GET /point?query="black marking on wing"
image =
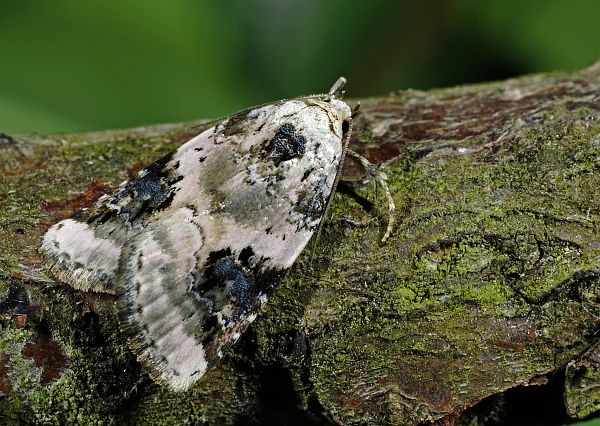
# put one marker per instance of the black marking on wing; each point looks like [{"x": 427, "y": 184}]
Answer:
[
  {"x": 243, "y": 293},
  {"x": 227, "y": 282},
  {"x": 152, "y": 190},
  {"x": 311, "y": 205},
  {"x": 306, "y": 174},
  {"x": 229, "y": 289},
  {"x": 245, "y": 256},
  {"x": 240, "y": 285},
  {"x": 213, "y": 256},
  {"x": 286, "y": 144}
]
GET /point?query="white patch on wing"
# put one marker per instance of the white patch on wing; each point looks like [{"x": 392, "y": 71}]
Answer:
[{"x": 79, "y": 257}]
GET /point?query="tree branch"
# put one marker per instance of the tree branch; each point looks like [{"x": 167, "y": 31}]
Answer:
[{"x": 489, "y": 282}]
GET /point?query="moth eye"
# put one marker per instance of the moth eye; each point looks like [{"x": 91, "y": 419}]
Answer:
[
  {"x": 345, "y": 127},
  {"x": 286, "y": 144}
]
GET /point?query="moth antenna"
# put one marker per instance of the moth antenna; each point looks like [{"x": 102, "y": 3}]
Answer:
[
  {"x": 336, "y": 90},
  {"x": 380, "y": 177}
]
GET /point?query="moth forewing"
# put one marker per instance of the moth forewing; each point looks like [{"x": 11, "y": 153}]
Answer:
[{"x": 196, "y": 243}]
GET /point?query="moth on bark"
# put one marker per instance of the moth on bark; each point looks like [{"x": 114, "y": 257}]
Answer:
[{"x": 198, "y": 241}]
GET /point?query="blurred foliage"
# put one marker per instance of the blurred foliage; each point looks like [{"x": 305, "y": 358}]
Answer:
[{"x": 69, "y": 66}]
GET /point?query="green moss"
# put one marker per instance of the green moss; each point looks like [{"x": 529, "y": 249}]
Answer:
[
  {"x": 476, "y": 246},
  {"x": 101, "y": 376},
  {"x": 66, "y": 403},
  {"x": 582, "y": 396},
  {"x": 23, "y": 374}
]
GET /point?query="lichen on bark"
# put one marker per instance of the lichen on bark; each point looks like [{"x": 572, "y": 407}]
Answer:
[{"x": 489, "y": 282}]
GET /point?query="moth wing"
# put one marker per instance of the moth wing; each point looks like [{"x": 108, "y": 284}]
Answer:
[
  {"x": 176, "y": 330},
  {"x": 76, "y": 255},
  {"x": 155, "y": 308},
  {"x": 84, "y": 250}
]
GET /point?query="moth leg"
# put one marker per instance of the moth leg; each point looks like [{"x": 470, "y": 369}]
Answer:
[{"x": 380, "y": 177}]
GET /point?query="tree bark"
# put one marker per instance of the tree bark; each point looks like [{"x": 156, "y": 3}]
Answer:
[{"x": 489, "y": 284}]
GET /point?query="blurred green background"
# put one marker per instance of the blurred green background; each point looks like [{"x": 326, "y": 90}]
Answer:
[{"x": 72, "y": 66}]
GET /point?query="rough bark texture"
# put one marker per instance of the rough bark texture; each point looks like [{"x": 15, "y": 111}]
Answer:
[{"x": 490, "y": 281}]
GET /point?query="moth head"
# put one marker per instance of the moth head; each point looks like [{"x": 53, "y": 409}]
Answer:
[
  {"x": 340, "y": 108},
  {"x": 342, "y": 115}
]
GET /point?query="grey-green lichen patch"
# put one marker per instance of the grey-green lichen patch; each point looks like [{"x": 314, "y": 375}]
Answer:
[
  {"x": 220, "y": 398},
  {"x": 20, "y": 371},
  {"x": 102, "y": 375},
  {"x": 101, "y": 372},
  {"x": 582, "y": 384}
]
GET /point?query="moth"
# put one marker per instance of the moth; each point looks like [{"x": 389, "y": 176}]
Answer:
[{"x": 198, "y": 241}]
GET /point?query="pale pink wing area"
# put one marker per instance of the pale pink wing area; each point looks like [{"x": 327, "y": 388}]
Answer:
[{"x": 77, "y": 256}]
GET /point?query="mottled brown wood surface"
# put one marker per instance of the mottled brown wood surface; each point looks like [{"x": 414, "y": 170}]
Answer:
[{"x": 485, "y": 297}]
